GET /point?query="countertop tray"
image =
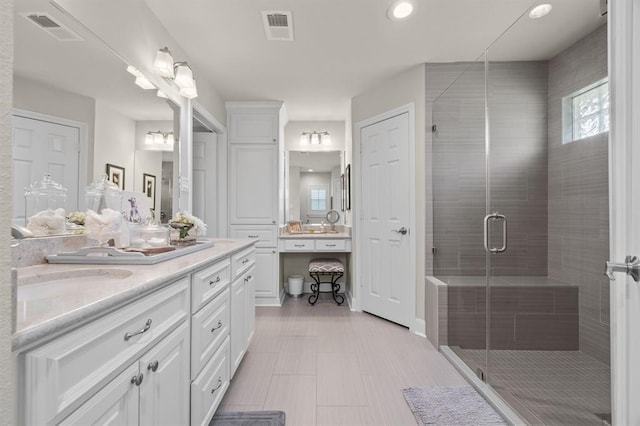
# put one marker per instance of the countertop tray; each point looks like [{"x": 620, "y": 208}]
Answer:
[{"x": 114, "y": 256}]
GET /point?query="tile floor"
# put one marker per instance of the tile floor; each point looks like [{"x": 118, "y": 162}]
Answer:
[
  {"x": 547, "y": 387},
  {"x": 326, "y": 365}
]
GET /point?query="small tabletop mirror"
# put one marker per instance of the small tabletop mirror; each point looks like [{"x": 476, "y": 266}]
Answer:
[{"x": 333, "y": 217}]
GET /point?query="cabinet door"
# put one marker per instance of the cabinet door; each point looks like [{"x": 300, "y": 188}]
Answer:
[
  {"x": 115, "y": 404},
  {"x": 267, "y": 289},
  {"x": 253, "y": 179},
  {"x": 238, "y": 318},
  {"x": 250, "y": 318},
  {"x": 164, "y": 392},
  {"x": 253, "y": 127}
]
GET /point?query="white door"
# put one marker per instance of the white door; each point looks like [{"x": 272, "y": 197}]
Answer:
[
  {"x": 164, "y": 391},
  {"x": 205, "y": 194},
  {"x": 41, "y": 147},
  {"x": 624, "y": 177},
  {"x": 385, "y": 219},
  {"x": 116, "y": 404}
]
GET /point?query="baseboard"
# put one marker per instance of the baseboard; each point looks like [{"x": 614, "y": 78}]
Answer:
[
  {"x": 419, "y": 328},
  {"x": 270, "y": 301}
]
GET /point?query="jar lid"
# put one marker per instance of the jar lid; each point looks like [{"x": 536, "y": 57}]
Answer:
[
  {"x": 102, "y": 185},
  {"x": 46, "y": 186}
]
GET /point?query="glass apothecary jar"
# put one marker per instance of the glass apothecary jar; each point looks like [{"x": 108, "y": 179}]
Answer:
[
  {"x": 45, "y": 207},
  {"x": 103, "y": 218},
  {"x": 147, "y": 236}
]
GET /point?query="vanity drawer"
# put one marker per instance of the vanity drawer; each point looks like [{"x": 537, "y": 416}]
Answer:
[
  {"x": 209, "y": 328},
  {"x": 59, "y": 374},
  {"x": 331, "y": 245},
  {"x": 299, "y": 245},
  {"x": 208, "y": 389},
  {"x": 265, "y": 236},
  {"x": 208, "y": 282},
  {"x": 242, "y": 261}
]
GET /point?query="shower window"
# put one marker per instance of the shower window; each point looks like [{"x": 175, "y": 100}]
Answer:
[{"x": 586, "y": 112}]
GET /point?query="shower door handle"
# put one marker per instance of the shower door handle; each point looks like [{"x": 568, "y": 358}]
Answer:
[
  {"x": 631, "y": 267},
  {"x": 489, "y": 218}
]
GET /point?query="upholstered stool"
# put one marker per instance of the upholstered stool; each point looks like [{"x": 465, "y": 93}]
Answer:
[{"x": 329, "y": 269}]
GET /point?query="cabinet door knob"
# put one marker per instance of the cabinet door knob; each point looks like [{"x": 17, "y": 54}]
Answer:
[
  {"x": 129, "y": 335},
  {"x": 218, "y": 385},
  {"x": 137, "y": 379},
  {"x": 153, "y": 366},
  {"x": 217, "y": 326}
]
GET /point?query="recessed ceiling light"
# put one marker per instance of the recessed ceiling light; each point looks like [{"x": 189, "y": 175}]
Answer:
[
  {"x": 400, "y": 10},
  {"x": 539, "y": 11}
]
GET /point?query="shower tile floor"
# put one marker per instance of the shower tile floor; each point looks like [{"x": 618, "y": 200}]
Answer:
[{"x": 547, "y": 387}]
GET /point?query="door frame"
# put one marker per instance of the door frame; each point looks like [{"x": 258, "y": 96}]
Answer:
[
  {"x": 355, "y": 296},
  {"x": 624, "y": 84},
  {"x": 83, "y": 135}
]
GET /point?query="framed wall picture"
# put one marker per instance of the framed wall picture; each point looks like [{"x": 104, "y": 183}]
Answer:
[
  {"x": 149, "y": 189},
  {"x": 342, "y": 194},
  {"x": 116, "y": 175},
  {"x": 347, "y": 187}
]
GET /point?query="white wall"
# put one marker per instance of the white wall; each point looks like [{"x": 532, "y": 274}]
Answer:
[
  {"x": 294, "y": 193},
  {"x": 7, "y": 316},
  {"x": 306, "y": 181},
  {"x": 114, "y": 143},
  {"x": 401, "y": 89},
  {"x": 34, "y": 96}
]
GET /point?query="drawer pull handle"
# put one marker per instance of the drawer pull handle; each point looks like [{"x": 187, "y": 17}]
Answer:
[
  {"x": 248, "y": 278},
  {"x": 218, "y": 386},
  {"x": 153, "y": 366},
  {"x": 217, "y": 280},
  {"x": 217, "y": 326},
  {"x": 146, "y": 328},
  {"x": 253, "y": 236},
  {"x": 137, "y": 379},
  {"x": 245, "y": 261},
  {"x": 298, "y": 245},
  {"x": 330, "y": 245}
]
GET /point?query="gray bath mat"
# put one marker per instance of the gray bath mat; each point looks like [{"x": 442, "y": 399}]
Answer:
[
  {"x": 456, "y": 405},
  {"x": 249, "y": 418}
]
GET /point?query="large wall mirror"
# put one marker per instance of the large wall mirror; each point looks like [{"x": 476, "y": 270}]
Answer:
[
  {"x": 314, "y": 185},
  {"x": 77, "y": 109}
]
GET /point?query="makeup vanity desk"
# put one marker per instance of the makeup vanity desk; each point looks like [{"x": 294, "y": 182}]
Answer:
[{"x": 296, "y": 250}]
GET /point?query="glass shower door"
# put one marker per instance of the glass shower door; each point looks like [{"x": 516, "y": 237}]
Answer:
[{"x": 459, "y": 193}]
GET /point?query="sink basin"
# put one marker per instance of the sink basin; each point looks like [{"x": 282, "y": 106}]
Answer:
[{"x": 51, "y": 284}]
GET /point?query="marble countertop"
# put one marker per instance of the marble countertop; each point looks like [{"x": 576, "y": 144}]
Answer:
[
  {"x": 75, "y": 294},
  {"x": 316, "y": 235}
]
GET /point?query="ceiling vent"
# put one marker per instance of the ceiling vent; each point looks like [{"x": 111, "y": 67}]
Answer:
[
  {"x": 278, "y": 25},
  {"x": 52, "y": 26}
]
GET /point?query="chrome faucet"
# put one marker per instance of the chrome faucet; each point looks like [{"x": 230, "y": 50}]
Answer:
[{"x": 19, "y": 232}]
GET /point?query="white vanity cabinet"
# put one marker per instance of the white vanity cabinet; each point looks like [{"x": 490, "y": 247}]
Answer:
[
  {"x": 148, "y": 338},
  {"x": 163, "y": 358},
  {"x": 256, "y": 204}
]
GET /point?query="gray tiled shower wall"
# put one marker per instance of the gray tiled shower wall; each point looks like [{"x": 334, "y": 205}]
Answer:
[{"x": 555, "y": 195}]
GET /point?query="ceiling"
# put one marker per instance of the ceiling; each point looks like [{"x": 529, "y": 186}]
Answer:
[{"x": 342, "y": 47}]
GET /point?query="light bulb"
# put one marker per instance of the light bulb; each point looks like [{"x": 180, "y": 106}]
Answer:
[{"x": 164, "y": 63}]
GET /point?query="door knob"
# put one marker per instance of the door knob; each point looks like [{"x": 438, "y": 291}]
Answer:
[
  {"x": 631, "y": 267},
  {"x": 402, "y": 231}
]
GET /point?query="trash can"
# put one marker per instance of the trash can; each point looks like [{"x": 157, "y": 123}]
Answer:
[{"x": 296, "y": 283}]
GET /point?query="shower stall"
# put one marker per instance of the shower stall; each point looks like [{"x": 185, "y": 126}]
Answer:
[{"x": 520, "y": 219}]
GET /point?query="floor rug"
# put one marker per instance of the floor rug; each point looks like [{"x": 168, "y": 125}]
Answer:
[
  {"x": 249, "y": 418},
  {"x": 456, "y": 405}
]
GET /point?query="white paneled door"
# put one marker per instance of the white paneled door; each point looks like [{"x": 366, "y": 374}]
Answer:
[
  {"x": 41, "y": 147},
  {"x": 624, "y": 207},
  {"x": 385, "y": 219}
]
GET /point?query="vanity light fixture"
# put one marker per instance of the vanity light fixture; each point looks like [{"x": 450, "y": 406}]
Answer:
[
  {"x": 315, "y": 138},
  {"x": 162, "y": 95},
  {"x": 400, "y": 10},
  {"x": 141, "y": 81},
  {"x": 177, "y": 72},
  {"x": 159, "y": 138},
  {"x": 539, "y": 11},
  {"x": 164, "y": 63}
]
